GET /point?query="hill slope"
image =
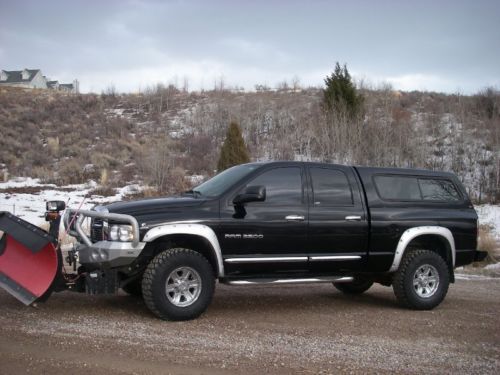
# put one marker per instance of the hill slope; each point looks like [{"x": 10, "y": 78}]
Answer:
[{"x": 159, "y": 135}]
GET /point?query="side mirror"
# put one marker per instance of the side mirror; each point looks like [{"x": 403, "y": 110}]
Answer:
[{"x": 250, "y": 194}]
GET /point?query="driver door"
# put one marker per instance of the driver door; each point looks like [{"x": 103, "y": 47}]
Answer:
[{"x": 267, "y": 236}]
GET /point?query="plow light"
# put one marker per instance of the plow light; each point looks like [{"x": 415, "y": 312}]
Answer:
[{"x": 55, "y": 206}]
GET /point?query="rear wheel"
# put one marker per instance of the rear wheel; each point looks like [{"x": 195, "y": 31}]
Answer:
[
  {"x": 422, "y": 280},
  {"x": 178, "y": 284},
  {"x": 358, "y": 286}
]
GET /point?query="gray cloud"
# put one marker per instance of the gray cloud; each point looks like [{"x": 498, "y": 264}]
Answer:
[{"x": 443, "y": 46}]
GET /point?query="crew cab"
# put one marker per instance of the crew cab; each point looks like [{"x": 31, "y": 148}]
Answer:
[{"x": 282, "y": 222}]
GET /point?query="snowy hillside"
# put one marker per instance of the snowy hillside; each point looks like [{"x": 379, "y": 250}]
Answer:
[{"x": 164, "y": 134}]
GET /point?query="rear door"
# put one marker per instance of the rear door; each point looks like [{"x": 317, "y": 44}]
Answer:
[{"x": 338, "y": 224}]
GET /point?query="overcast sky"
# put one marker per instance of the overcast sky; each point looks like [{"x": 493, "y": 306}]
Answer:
[{"x": 435, "y": 45}]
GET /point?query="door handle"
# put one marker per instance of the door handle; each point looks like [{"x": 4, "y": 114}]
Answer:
[
  {"x": 294, "y": 218},
  {"x": 353, "y": 218}
]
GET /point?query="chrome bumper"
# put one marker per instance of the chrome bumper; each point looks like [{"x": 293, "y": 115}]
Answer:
[{"x": 108, "y": 253}]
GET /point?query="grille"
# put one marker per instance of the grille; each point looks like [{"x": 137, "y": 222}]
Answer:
[{"x": 96, "y": 230}]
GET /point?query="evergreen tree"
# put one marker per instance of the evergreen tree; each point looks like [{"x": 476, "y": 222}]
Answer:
[
  {"x": 233, "y": 151},
  {"x": 340, "y": 92}
]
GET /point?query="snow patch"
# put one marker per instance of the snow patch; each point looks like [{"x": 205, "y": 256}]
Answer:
[
  {"x": 463, "y": 276},
  {"x": 494, "y": 267},
  {"x": 195, "y": 179},
  {"x": 18, "y": 182},
  {"x": 31, "y": 207}
]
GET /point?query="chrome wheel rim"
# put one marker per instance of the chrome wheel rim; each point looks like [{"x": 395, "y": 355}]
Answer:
[
  {"x": 426, "y": 281},
  {"x": 183, "y": 286}
]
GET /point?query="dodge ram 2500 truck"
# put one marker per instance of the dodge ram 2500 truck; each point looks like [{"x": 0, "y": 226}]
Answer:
[{"x": 281, "y": 222}]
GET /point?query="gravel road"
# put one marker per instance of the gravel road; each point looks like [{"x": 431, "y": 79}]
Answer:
[{"x": 256, "y": 330}]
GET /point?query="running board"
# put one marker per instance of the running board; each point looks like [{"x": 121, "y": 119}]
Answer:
[{"x": 308, "y": 280}]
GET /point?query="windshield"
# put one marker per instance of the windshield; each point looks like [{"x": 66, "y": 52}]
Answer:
[{"x": 224, "y": 180}]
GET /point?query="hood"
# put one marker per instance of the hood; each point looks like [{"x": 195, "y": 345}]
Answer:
[{"x": 153, "y": 206}]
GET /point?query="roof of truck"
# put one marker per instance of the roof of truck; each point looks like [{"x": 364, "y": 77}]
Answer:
[{"x": 362, "y": 169}]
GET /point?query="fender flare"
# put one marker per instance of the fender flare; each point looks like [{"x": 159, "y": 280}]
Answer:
[
  {"x": 412, "y": 233},
  {"x": 194, "y": 229}
]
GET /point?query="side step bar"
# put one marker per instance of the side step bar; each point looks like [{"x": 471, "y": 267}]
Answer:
[{"x": 308, "y": 280}]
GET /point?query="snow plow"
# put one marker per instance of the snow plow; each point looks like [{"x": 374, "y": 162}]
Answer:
[
  {"x": 30, "y": 257},
  {"x": 32, "y": 265}
]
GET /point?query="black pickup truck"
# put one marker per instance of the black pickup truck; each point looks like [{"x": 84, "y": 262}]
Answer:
[{"x": 283, "y": 222}]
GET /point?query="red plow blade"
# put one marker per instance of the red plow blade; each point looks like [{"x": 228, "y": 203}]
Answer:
[{"x": 28, "y": 259}]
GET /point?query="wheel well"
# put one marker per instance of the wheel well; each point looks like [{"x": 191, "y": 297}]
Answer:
[
  {"x": 188, "y": 241},
  {"x": 435, "y": 243}
]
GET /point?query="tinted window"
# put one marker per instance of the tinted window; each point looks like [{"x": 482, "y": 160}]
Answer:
[
  {"x": 438, "y": 190},
  {"x": 283, "y": 185},
  {"x": 401, "y": 188},
  {"x": 330, "y": 187},
  {"x": 224, "y": 180}
]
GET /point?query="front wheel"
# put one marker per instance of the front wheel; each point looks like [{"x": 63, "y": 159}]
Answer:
[
  {"x": 422, "y": 280},
  {"x": 178, "y": 284}
]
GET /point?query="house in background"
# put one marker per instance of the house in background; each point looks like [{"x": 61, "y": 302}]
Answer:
[
  {"x": 70, "y": 87},
  {"x": 34, "y": 79},
  {"x": 54, "y": 85},
  {"x": 29, "y": 78}
]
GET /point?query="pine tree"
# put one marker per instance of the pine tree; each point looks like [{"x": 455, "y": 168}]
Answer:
[
  {"x": 340, "y": 92},
  {"x": 233, "y": 151}
]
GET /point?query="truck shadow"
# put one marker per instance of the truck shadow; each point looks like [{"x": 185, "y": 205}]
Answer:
[{"x": 297, "y": 299}]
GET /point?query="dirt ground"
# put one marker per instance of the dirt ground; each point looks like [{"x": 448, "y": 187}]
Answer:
[{"x": 257, "y": 330}]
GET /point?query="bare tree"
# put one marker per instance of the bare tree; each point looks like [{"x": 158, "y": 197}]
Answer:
[{"x": 157, "y": 162}]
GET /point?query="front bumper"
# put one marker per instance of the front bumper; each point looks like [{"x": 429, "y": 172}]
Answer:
[
  {"x": 103, "y": 253},
  {"x": 109, "y": 253}
]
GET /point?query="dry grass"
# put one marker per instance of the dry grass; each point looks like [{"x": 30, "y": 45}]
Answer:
[
  {"x": 104, "y": 191},
  {"x": 72, "y": 138},
  {"x": 143, "y": 194}
]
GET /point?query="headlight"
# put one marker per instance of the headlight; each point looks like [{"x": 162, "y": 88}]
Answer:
[
  {"x": 113, "y": 232},
  {"x": 123, "y": 233}
]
